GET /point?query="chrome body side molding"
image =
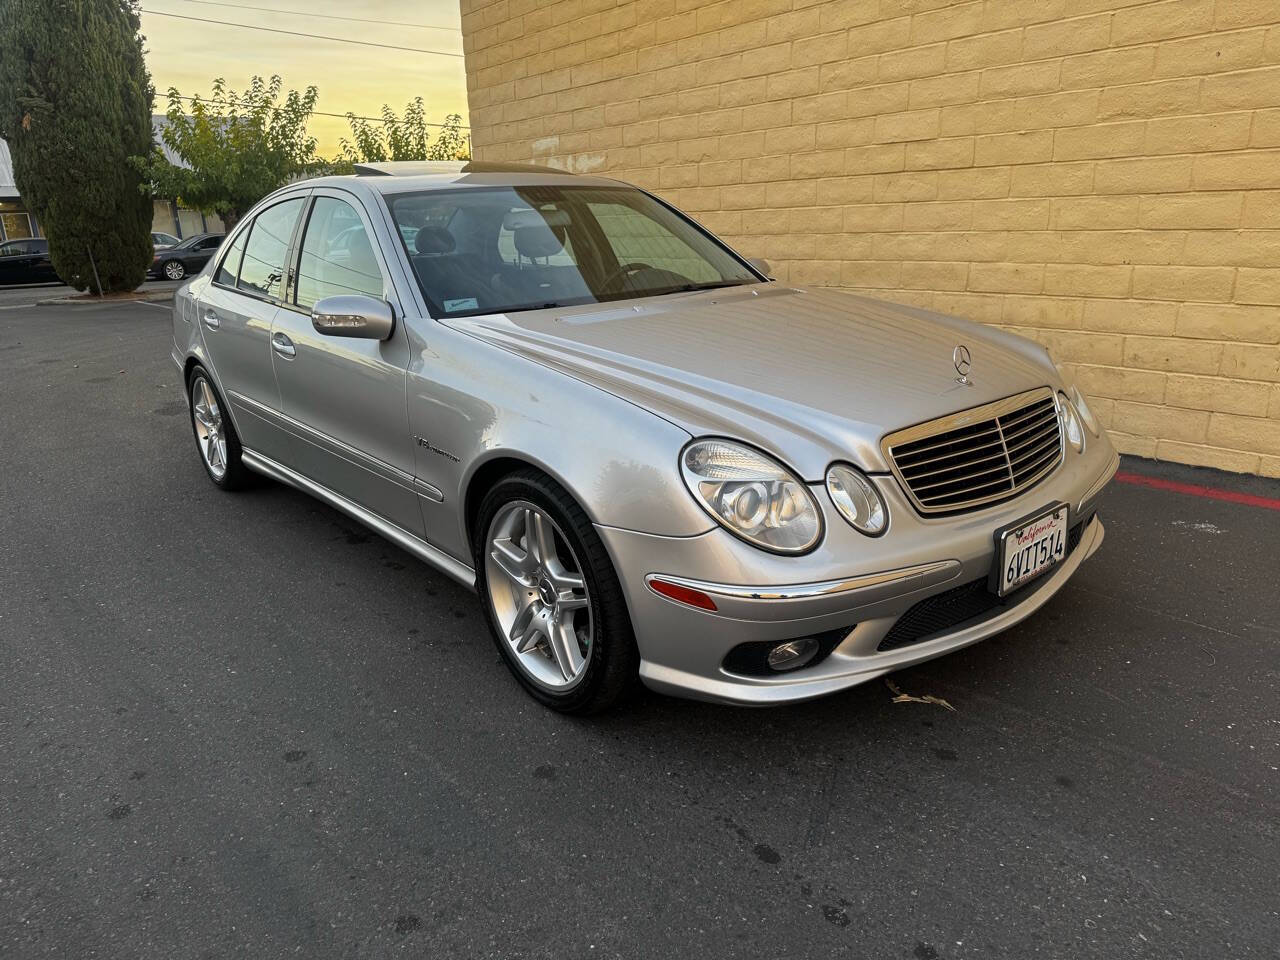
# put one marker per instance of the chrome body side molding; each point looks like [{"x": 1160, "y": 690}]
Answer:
[{"x": 402, "y": 538}]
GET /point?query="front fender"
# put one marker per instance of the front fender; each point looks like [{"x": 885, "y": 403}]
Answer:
[{"x": 472, "y": 403}]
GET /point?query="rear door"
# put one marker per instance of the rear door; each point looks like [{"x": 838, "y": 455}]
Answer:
[
  {"x": 345, "y": 397},
  {"x": 235, "y": 312}
]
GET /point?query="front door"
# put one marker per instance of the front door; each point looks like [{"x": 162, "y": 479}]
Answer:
[
  {"x": 235, "y": 313},
  {"x": 345, "y": 398}
]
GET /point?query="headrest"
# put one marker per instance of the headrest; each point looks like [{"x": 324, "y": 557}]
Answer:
[
  {"x": 539, "y": 241},
  {"x": 433, "y": 240},
  {"x": 515, "y": 219}
]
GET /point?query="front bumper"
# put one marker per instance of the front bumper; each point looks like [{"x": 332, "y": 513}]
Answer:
[{"x": 683, "y": 649}]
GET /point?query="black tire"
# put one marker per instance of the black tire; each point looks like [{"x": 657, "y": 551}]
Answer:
[
  {"x": 613, "y": 668},
  {"x": 236, "y": 476},
  {"x": 181, "y": 270}
]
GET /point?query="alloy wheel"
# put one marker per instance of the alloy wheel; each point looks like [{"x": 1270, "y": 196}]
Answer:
[
  {"x": 539, "y": 596},
  {"x": 210, "y": 436},
  {"x": 174, "y": 270}
]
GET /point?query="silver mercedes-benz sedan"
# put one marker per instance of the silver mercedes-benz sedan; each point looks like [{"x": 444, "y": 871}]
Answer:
[{"x": 646, "y": 457}]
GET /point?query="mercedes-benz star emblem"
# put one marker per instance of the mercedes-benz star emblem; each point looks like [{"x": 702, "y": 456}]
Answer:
[{"x": 964, "y": 363}]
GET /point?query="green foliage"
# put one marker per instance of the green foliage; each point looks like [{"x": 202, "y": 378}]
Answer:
[
  {"x": 75, "y": 104},
  {"x": 403, "y": 138},
  {"x": 239, "y": 147}
]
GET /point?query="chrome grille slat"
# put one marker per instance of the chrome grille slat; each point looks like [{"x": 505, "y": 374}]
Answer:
[
  {"x": 1011, "y": 420},
  {"x": 989, "y": 431},
  {"x": 1003, "y": 482},
  {"x": 997, "y": 458},
  {"x": 1029, "y": 460},
  {"x": 993, "y": 445},
  {"x": 1030, "y": 427},
  {"x": 1016, "y": 451},
  {"x": 1000, "y": 469},
  {"x": 978, "y": 456}
]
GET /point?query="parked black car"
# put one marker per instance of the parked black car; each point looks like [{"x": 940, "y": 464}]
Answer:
[
  {"x": 26, "y": 261},
  {"x": 186, "y": 258}
]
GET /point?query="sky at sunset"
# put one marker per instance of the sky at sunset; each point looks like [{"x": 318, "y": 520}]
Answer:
[{"x": 188, "y": 55}]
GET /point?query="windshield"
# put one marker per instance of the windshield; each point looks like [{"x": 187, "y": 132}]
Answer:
[{"x": 503, "y": 249}]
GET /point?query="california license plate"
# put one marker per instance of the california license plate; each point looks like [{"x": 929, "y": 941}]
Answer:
[{"x": 1031, "y": 549}]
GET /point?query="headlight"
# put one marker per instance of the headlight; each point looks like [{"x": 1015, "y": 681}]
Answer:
[
  {"x": 1082, "y": 408},
  {"x": 857, "y": 499},
  {"x": 752, "y": 495},
  {"x": 1071, "y": 426}
]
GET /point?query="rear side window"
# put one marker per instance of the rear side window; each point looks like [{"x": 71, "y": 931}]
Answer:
[
  {"x": 262, "y": 268},
  {"x": 229, "y": 268},
  {"x": 337, "y": 255}
]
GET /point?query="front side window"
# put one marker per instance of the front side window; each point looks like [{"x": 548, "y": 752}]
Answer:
[
  {"x": 262, "y": 269},
  {"x": 337, "y": 255},
  {"x": 502, "y": 249}
]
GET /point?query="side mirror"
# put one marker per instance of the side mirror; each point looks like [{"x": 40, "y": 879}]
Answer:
[
  {"x": 353, "y": 316},
  {"x": 759, "y": 265}
]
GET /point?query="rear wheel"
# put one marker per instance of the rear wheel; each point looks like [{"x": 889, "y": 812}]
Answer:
[
  {"x": 215, "y": 434},
  {"x": 551, "y": 596},
  {"x": 174, "y": 269}
]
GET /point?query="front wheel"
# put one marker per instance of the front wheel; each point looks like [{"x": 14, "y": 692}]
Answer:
[
  {"x": 551, "y": 596},
  {"x": 174, "y": 269}
]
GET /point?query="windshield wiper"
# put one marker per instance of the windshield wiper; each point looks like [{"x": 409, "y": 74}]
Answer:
[{"x": 711, "y": 285}]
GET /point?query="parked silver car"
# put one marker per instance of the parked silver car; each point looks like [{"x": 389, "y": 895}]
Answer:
[{"x": 647, "y": 458}]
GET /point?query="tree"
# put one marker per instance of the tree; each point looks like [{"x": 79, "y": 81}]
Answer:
[
  {"x": 75, "y": 104},
  {"x": 237, "y": 147},
  {"x": 403, "y": 139}
]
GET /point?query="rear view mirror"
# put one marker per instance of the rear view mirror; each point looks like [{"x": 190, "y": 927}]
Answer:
[
  {"x": 759, "y": 265},
  {"x": 353, "y": 316}
]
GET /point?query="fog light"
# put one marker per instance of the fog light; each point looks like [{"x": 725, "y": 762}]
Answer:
[{"x": 792, "y": 655}]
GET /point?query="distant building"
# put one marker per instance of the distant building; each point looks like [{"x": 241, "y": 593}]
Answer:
[
  {"x": 16, "y": 222},
  {"x": 168, "y": 216}
]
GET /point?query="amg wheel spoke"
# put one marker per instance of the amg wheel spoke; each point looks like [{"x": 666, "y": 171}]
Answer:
[
  {"x": 540, "y": 538},
  {"x": 515, "y": 563},
  {"x": 524, "y": 631},
  {"x": 564, "y": 644}
]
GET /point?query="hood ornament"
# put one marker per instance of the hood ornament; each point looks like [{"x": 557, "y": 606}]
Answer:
[{"x": 964, "y": 363}]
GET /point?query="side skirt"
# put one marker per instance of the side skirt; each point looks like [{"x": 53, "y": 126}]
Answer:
[{"x": 399, "y": 536}]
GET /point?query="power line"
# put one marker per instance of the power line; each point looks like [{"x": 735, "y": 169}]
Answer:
[
  {"x": 321, "y": 16},
  {"x": 295, "y": 33},
  {"x": 342, "y": 116}
]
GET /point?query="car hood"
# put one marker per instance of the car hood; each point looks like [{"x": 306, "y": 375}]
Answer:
[{"x": 811, "y": 376}]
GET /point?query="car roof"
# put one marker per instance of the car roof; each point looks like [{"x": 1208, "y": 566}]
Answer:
[{"x": 409, "y": 176}]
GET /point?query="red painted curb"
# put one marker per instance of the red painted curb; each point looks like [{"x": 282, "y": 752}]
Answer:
[{"x": 1195, "y": 490}]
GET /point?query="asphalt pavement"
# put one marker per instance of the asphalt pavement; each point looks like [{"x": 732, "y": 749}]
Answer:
[{"x": 243, "y": 726}]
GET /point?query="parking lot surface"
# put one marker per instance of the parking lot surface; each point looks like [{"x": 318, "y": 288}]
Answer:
[{"x": 243, "y": 726}]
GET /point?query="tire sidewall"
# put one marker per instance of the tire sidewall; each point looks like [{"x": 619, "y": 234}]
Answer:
[{"x": 605, "y": 640}]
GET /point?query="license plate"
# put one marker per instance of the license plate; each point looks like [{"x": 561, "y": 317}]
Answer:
[{"x": 1031, "y": 549}]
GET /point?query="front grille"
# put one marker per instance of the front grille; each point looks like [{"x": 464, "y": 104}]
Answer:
[
  {"x": 978, "y": 456},
  {"x": 944, "y": 612}
]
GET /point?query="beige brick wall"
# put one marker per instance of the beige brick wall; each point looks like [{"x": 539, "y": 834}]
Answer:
[{"x": 1100, "y": 175}]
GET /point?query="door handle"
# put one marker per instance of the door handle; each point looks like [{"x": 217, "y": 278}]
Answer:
[
  {"x": 282, "y": 345},
  {"x": 211, "y": 320}
]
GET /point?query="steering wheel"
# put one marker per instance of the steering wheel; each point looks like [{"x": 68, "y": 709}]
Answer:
[{"x": 623, "y": 271}]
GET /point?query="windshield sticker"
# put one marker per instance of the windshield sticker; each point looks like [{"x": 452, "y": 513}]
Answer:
[{"x": 464, "y": 303}]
